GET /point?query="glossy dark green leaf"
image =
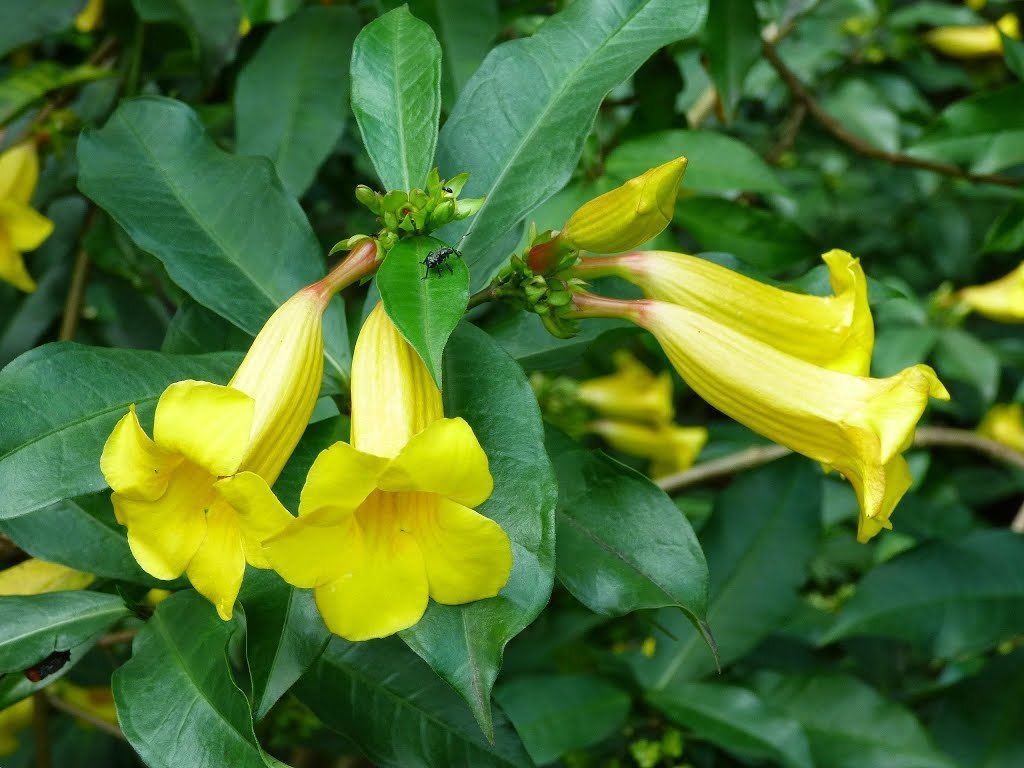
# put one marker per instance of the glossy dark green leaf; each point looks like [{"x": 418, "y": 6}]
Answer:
[
  {"x": 949, "y": 597},
  {"x": 960, "y": 356},
  {"x": 984, "y": 132},
  {"x": 291, "y": 98},
  {"x": 223, "y": 226},
  {"x": 284, "y": 635},
  {"x": 736, "y": 720},
  {"x": 1013, "y": 53},
  {"x": 715, "y": 162},
  {"x": 60, "y": 402},
  {"x": 622, "y": 544},
  {"x": 758, "y": 543},
  {"x": 761, "y": 238},
  {"x": 396, "y": 96},
  {"x": 862, "y": 110},
  {"x": 316, "y": 438},
  {"x": 23, "y": 21},
  {"x": 37, "y": 625},
  {"x": 556, "y": 714},
  {"x": 195, "y": 329},
  {"x": 177, "y": 702},
  {"x": 464, "y": 644},
  {"x": 732, "y": 40},
  {"x": 519, "y": 125},
  {"x": 24, "y": 87},
  {"x": 262, "y": 11},
  {"x": 849, "y": 724},
  {"x": 1007, "y": 232},
  {"x": 425, "y": 307},
  {"x": 212, "y": 28},
  {"x": 387, "y": 702},
  {"x": 529, "y": 343}
]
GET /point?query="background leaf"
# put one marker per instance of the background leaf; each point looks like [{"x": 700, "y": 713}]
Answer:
[
  {"x": 22, "y": 21},
  {"x": 212, "y": 27},
  {"x": 733, "y": 40}
]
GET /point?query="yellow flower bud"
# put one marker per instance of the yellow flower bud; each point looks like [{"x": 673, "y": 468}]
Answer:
[
  {"x": 973, "y": 41},
  {"x": 1001, "y": 300},
  {"x": 36, "y": 577},
  {"x": 629, "y": 215},
  {"x": 632, "y": 392},
  {"x": 1005, "y": 424}
]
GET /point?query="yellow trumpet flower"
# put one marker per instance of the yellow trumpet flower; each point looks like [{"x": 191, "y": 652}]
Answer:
[
  {"x": 671, "y": 448},
  {"x": 21, "y": 227},
  {"x": 387, "y": 521},
  {"x": 629, "y": 215},
  {"x": 632, "y": 392},
  {"x": 1001, "y": 300},
  {"x": 1004, "y": 423},
  {"x": 89, "y": 17},
  {"x": 36, "y": 577},
  {"x": 13, "y": 719},
  {"x": 178, "y": 493},
  {"x": 854, "y": 424},
  {"x": 831, "y": 331},
  {"x": 974, "y": 41}
]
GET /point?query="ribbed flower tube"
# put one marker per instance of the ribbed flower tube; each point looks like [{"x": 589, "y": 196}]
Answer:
[{"x": 1001, "y": 300}]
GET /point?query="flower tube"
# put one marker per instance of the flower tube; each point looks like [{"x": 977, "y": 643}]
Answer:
[
  {"x": 973, "y": 41},
  {"x": 1001, "y": 300}
]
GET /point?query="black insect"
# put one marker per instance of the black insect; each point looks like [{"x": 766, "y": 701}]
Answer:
[
  {"x": 438, "y": 258},
  {"x": 52, "y": 663},
  {"x": 448, "y": 190}
]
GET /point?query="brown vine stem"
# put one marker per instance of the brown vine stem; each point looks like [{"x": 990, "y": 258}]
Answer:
[
  {"x": 117, "y": 638},
  {"x": 41, "y": 729},
  {"x": 86, "y": 717},
  {"x": 859, "y": 145},
  {"x": 75, "y": 297}
]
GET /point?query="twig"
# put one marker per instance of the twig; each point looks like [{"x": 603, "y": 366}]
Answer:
[
  {"x": 1017, "y": 526},
  {"x": 963, "y": 438},
  {"x": 117, "y": 638},
  {"x": 84, "y": 716},
  {"x": 76, "y": 294},
  {"x": 787, "y": 134},
  {"x": 481, "y": 297},
  {"x": 859, "y": 145},
  {"x": 41, "y": 729}
]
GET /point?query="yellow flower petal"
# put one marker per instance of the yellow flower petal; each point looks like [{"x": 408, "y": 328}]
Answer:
[
  {"x": 26, "y": 228},
  {"x": 1005, "y": 424},
  {"x": 852, "y": 423},
  {"x": 341, "y": 478},
  {"x": 165, "y": 533},
  {"x": 671, "y": 448},
  {"x": 1001, "y": 300},
  {"x": 384, "y": 587},
  {"x": 467, "y": 556},
  {"x": 973, "y": 41},
  {"x": 218, "y": 565},
  {"x": 13, "y": 719},
  {"x": 632, "y": 392},
  {"x": 259, "y": 514},
  {"x": 19, "y": 172},
  {"x": 207, "y": 423},
  {"x": 836, "y": 331},
  {"x": 315, "y": 548},
  {"x": 12, "y": 265},
  {"x": 282, "y": 373},
  {"x": 445, "y": 458},
  {"x": 133, "y": 465},
  {"x": 629, "y": 215},
  {"x": 36, "y": 577},
  {"x": 89, "y": 17},
  {"x": 393, "y": 394}
]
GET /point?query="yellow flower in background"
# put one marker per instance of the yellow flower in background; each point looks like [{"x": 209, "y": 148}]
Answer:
[
  {"x": 854, "y": 424},
  {"x": 13, "y": 719},
  {"x": 183, "y": 494},
  {"x": 671, "y": 448},
  {"x": 244, "y": 26},
  {"x": 835, "y": 332},
  {"x": 36, "y": 577},
  {"x": 97, "y": 700},
  {"x": 629, "y": 215},
  {"x": 974, "y": 41},
  {"x": 1005, "y": 424},
  {"x": 387, "y": 521},
  {"x": 89, "y": 17},
  {"x": 632, "y": 392},
  {"x": 21, "y": 227},
  {"x": 1001, "y": 300}
]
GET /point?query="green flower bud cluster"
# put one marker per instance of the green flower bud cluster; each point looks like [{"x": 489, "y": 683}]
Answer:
[
  {"x": 558, "y": 397},
  {"x": 549, "y": 297},
  {"x": 417, "y": 212}
]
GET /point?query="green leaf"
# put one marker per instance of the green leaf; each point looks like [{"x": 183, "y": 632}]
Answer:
[
  {"x": 212, "y": 28},
  {"x": 24, "y": 21},
  {"x": 223, "y": 226},
  {"x": 518, "y": 127},
  {"x": 622, "y": 544},
  {"x": 960, "y": 356},
  {"x": 388, "y": 703},
  {"x": 849, "y": 724},
  {"x": 262, "y": 11},
  {"x": 861, "y": 109},
  {"x": 424, "y": 306},
  {"x": 1013, "y": 53},
  {"x": 949, "y": 597},
  {"x": 715, "y": 162},
  {"x": 735, "y": 720},
  {"x": 464, "y": 644},
  {"x": 396, "y": 96},
  {"x": 758, "y": 543},
  {"x": 528, "y": 342},
  {"x": 61, "y": 401},
  {"x": 556, "y": 714},
  {"x": 90, "y": 538},
  {"x": 291, "y": 99},
  {"x": 177, "y": 702},
  {"x": 37, "y": 625},
  {"x": 24, "y": 87},
  {"x": 195, "y": 329},
  {"x": 732, "y": 40},
  {"x": 758, "y": 237},
  {"x": 985, "y": 132},
  {"x": 284, "y": 635},
  {"x": 316, "y": 438},
  {"x": 1007, "y": 232}
]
